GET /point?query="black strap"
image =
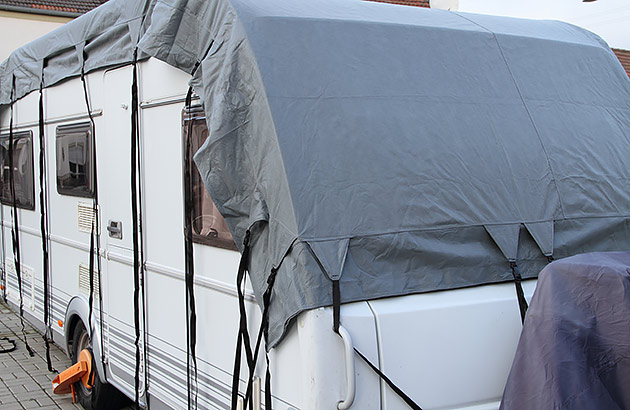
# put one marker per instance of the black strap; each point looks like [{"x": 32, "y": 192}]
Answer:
[
  {"x": 15, "y": 229},
  {"x": 520, "y": 295},
  {"x": 3, "y": 271},
  {"x": 336, "y": 296},
  {"x": 93, "y": 250},
  {"x": 138, "y": 262},
  {"x": 10, "y": 349},
  {"x": 95, "y": 238},
  {"x": 191, "y": 314},
  {"x": 263, "y": 331},
  {"x": 390, "y": 383},
  {"x": 43, "y": 207},
  {"x": 94, "y": 213},
  {"x": 267, "y": 384},
  {"x": 243, "y": 333}
]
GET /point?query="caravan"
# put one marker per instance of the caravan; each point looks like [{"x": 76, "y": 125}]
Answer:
[{"x": 391, "y": 180}]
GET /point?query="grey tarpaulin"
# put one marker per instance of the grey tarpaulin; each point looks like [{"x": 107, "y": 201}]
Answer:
[
  {"x": 574, "y": 351},
  {"x": 399, "y": 149}
]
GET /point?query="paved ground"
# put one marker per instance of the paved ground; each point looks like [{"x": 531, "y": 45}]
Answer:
[{"x": 25, "y": 382}]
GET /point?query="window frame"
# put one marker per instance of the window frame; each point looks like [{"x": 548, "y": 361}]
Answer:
[
  {"x": 8, "y": 200},
  {"x": 196, "y": 114},
  {"x": 81, "y": 191}
]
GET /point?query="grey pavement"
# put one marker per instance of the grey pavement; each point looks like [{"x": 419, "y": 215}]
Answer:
[{"x": 25, "y": 382}]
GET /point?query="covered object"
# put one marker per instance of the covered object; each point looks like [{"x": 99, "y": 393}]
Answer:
[
  {"x": 574, "y": 351},
  {"x": 396, "y": 150}
]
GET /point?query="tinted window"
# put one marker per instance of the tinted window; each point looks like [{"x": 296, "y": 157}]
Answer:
[
  {"x": 22, "y": 170},
  {"x": 209, "y": 227},
  {"x": 74, "y": 160}
]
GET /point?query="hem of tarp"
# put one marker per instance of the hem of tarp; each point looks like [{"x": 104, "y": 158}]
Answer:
[
  {"x": 454, "y": 226},
  {"x": 289, "y": 322}
]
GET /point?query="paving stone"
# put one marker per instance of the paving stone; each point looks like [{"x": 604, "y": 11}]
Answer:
[
  {"x": 44, "y": 380},
  {"x": 45, "y": 401},
  {"x": 30, "y": 367},
  {"x": 37, "y": 394},
  {"x": 18, "y": 390},
  {"x": 13, "y": 406},
  {"x": 13, "y": 382},
  {"x": 32, "y": 386},
  {"x": 7, "y": 399},
  {"x": 30, "y": 404}
]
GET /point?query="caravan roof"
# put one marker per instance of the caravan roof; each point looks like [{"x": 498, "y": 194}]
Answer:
[{"x": 397, "y": 150}]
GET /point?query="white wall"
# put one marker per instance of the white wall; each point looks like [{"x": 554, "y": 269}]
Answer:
[{"x": 17, "y": 29}]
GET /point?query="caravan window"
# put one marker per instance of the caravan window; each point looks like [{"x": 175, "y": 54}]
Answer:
[
  {"x": 22, "y": 170},
  {"x": 74, "y": 160},
  {"x": 209, "y": 227}
]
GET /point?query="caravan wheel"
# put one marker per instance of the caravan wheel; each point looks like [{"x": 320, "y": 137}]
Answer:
[{"x": 101, "y": 395}]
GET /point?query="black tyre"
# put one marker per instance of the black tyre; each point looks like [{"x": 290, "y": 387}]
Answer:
[{"x": 102, "y": 396}]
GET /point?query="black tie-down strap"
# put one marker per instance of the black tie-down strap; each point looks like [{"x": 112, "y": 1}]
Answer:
[
  {"x": 191, "y": 314},
  {"x": 243, "y": 333},
  {"x": 264, "y": 330},
  {"x": 136, "y": 216},
  {"x": 242, "y": 338},
  {"x": 520, "y": 295},
  {"x": 94, "y": 245},
  {"x": 3, "y": 271},
  {"x": 95, "y": 238},
  {"x": 43, "y": 207},
  {"x": 189, "y": 273},
  {"x": 15, "y": 230},
  {"x": 336, "y": 295},
  {"x": 8, "y": 349}
]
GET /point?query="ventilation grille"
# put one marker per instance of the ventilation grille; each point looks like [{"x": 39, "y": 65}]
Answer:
[
  {"x": 84, "y": 281},
  {"x": 86, "y": 216}
]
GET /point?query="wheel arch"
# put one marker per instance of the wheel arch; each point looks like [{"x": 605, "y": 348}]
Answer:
[{"x": 78, "y": 310}]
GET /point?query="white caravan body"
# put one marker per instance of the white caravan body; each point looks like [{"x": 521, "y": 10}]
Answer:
[
  {"x": 431, "y": 343},
  {"x": 446, "y": 340}
]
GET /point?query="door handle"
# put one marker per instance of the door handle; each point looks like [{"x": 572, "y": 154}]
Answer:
[
  {"x": 115, "y": 229},
  {"x": 350, "y": 372}
]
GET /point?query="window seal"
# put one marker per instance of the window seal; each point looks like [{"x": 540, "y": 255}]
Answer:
[
  {"x": 18, "y": 135},
  {"x": 85, "y": 190}
]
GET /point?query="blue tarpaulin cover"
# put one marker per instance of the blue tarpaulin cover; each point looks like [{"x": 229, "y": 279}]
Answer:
[{"x": 574, "y": 351}]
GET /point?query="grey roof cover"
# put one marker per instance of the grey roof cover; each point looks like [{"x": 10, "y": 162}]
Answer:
[{"x": 397, "y": 149}]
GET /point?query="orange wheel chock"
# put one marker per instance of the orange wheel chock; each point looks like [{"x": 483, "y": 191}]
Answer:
[{"x": 63, "y": 383}]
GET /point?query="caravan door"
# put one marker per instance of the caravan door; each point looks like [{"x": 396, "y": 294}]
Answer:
[{"x": 114, "y": 179}]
